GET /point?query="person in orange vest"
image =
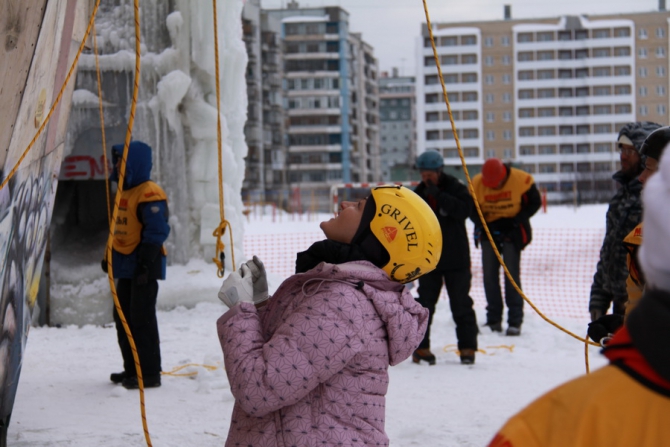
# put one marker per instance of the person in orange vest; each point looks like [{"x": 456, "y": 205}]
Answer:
[
  {"x": 138, "y": 261},
  {"x": 508, "y": 198},
  {"x": 627, "y": 402}
]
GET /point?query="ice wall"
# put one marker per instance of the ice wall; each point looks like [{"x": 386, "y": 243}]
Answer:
[{"x": 176, "y": 112}]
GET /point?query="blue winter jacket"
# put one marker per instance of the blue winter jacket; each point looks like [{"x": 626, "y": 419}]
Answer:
[{"x": 155, "y": 228}]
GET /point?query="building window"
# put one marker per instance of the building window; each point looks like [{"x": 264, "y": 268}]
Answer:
[
  {"x": 526, "y": 131},
  {"x": 622, "y": 32},
  {"x": 642, "y": 33},
  {"x": 488, "y": 61},
  {"x": 601, "y": 71},
  {"x": 566, "y": 149},
  {"x": 642, "y": 53},
  {"x": 643, "y": 72},
  {"x": 504, "y": 41},
  {"x": 451, "y": 78},
  {"x": 583, "y": 148},
  {"x": 490, "y": 135},
  {"x": 621, "y": 109},
  {"x": 470, "y": 115},
  {"x": 526, "y": 113},
  {"x": 564, "y": 35},
  {"x": 507, "y": 135},
  {"x": 547, "y": 168},
  {"x": 546, "y": 131},
  {"x": 525, "y": 75},
  {"x": 469, "y": 77},
  {"x": 661, "y": 109},
  {"x": 660, "y": 71},
  {"x": 506, "y": 98},
  {"x": 565, "y": 55},
  {"x": 545, "y": 74},
  {"x": 547, "y": 36},
  {"x": 644, "y": 111},
  {"x": 489, "y": 98},
  {"x": 448, "y": 41},
  {"x": 602, "y": 90},
  {"x": 622, "y": 71},
  {"x": 507, "y": 153},
  {"x": 643, "y": 91},
  {"x": 581, "y": 54},
  {"x": 583, "y": 129},
  {"x": 622, "y": 51},
  {"x": 490, "y": 117},
  {"x": 432, "y": 116},
  {"x": 488, "y": 79},
  {"x": 547, "y": 93},
  {"x": 603, "y": 147},
  {"x": 602, "y": 128},
  {"x": 546, "y": 112},
  {"x": 660, "y": 52},
  {"x": 526, "y": 94},
  {"x": 524, "y": 37},
  {"x": 432, "y": 135},
  {"x": 527, "y": 150},
  {"x": 660, "y": 90},
  {"x": 468, "y": 40},
  {"x": 488, "y": 41},
  {"x": 565, "y": 74},
  {"x": 603, "y": 33},
  {"x": 603, "y": 109},
  {"x": 622, "y": 89},
  {"x": 449, "y": 60},
  {"x": 525, "y": 56},
  {"x": 566, "y": 130},
  {"x": 601, "y": 52},
  {"x": 506, "y": 60},
  {"x": 583, "y": 111},
  {"x": 660, "y": 32},
  {"x": 564, "y": 111},
  {"x": 469, "y": 59},
  {"x": 470, "y": 133},
  {"x": 469, "y": 96},
  {"x": 506, "y": 79},
  {"x": 507, "y": 116},
  {"x": 545, "y": 55}
]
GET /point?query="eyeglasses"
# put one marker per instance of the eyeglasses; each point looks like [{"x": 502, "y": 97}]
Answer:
[{"x": 626, "y": 149}]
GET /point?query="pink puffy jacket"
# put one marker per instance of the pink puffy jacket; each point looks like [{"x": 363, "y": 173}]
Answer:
[{"x": 310, "y": 369}]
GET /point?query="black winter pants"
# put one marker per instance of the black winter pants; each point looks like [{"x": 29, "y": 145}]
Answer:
[
  {"x": 138, "y": 303},
  {"x": 458, "y": 289},
  {"x": 491, "y": 266}
]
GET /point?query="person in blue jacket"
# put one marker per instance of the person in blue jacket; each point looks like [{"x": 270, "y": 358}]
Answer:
[{"x": 138, "y": 261}]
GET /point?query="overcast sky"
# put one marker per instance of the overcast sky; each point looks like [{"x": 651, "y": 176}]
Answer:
[{"x": 391, "y": 26}]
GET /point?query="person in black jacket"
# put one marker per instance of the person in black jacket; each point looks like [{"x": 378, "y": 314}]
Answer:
[{"x": 452, "y": 204}]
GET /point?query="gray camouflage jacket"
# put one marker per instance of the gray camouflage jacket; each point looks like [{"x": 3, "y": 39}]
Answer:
[{"x": 623, "y": 214}]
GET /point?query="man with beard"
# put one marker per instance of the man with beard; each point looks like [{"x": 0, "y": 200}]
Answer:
[{"x": 623, "y": 215}]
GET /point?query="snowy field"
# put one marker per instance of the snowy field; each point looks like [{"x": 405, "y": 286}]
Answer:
[{"x": 65, "y": 397}]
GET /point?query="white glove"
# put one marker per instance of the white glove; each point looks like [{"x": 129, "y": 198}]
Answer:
[
  {"x": 237, "y": 288},
  {"x": 259, "y": 279}
]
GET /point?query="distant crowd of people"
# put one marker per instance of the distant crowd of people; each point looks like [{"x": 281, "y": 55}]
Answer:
[{"x": 309, "y": 364}]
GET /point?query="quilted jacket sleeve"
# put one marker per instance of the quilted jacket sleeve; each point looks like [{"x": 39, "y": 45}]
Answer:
[{"x": 313, "y": 343}]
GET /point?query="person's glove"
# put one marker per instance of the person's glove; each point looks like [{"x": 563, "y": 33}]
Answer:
[
  {"x": 238, "y": 287},
  {"x": 258, "y": 279},
  {"x": 595, "y": 314},
  {"x": 602, "y": 329},
  {"x": 141, "y": 275},
  {"x": 103, "y": 264}
]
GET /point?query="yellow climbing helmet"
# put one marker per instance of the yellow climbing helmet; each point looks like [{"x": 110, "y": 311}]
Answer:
[{"x": 409, "y": 231}]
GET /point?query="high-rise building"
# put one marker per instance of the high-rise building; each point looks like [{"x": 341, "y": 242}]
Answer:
[
  {"x": 397, "y": 126},
  {"x": 550, "y": 94},
  {"x": 331, "y": 98},
  {"x": 265, "y": 176}
]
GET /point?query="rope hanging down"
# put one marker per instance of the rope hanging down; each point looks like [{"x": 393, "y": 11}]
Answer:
[
  {"x": 112, "y": 226},
  {"x": 472, "y": 192},
  {"x": 220, "y": 257}
]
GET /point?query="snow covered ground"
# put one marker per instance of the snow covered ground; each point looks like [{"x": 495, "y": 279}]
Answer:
[{"x": 65, "y": 397}]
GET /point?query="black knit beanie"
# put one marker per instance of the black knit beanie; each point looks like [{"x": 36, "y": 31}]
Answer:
[{"x": 373, "y": 250}]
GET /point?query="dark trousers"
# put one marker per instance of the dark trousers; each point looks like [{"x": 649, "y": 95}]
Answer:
[
  {"x": 458, "y": 289},
  {"x": 138, "y": 303},
  {"x": 491, "y": 266}
]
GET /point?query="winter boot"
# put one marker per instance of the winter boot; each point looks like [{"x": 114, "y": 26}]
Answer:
[
  {"x": 514, "y": 330},
  {"x": 495, "y": 327},
  {"x": 118, "y": 377},
  {"x": 423, "y": 354},
  {"x": 467, "y": 356},
  {"x": 131, "y": 383}
]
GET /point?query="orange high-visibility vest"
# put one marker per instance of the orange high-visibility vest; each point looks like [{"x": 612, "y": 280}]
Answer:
[{"x": 506, "y": 201}]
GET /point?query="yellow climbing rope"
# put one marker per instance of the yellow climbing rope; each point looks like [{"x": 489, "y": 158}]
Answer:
[
  {"x": 112, "y": 226},
  {"x": 220, "y": 257},
  {"x": 472, "y": 192}
]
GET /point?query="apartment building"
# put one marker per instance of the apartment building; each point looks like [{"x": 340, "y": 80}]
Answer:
[
  {"x": 265, "y": 174},
  {"x": 331, "y": 101},
  {"x": 397, "y": 126},
  {"x": 549, "y": 94}
]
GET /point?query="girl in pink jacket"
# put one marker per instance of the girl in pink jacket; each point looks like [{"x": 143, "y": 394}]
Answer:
[{"x": 309, "y": 366}]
